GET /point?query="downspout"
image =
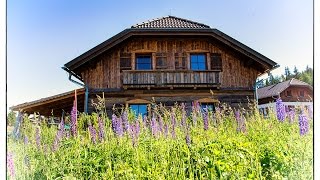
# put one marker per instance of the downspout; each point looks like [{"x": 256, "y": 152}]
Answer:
[{"x": 81, "y": 84}]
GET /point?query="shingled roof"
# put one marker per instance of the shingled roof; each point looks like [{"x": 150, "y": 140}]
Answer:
[
  {"x": 276, "y": 89},
  {"x": 170, "y": 22}
]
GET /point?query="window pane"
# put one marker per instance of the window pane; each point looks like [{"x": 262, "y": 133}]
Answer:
[
  {"x": 143, "y": 62},
  {"x": 139, "y": 109},
  {"x": 198, "y": 62},
  {"x": 201, "y": 66},
  {"x": 194, "y": 66},
  {"x": 201, "y": 59}
]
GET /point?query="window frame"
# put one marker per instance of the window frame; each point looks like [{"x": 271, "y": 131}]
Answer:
[
  {"x": 143, "y": 55},
  {"x": 138, "y": 113},
  {"x": 205, "y": 61}
]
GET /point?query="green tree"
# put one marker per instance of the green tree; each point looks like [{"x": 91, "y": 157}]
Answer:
[{"x": 11, "y": 118}]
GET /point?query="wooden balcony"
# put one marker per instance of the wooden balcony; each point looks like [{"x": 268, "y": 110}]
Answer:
[{"x": 170, "y": 78}]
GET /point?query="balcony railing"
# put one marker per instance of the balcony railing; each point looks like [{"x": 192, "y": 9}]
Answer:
[{"x": 170, "y": 78}]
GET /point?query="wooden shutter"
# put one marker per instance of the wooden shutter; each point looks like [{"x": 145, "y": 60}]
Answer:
[
  {"x": 161, "y": 60},
  {"x": 125, "y": 61},
  {"x": 216, "y": 61},
  {"x": 180, "y": 61}
]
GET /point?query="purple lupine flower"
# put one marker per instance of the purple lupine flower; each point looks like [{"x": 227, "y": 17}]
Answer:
[
  {"x": 205, "y": 119},
  {"x": 291, "y": 115},
  {"x": 137, "y": 126},
  {"x": 67, "y": 135},
  {"x": 196, "y": 106},
  {"x": 188, "y": 140},
  {"x": 154, "y": 126},
  {"x": 38, "y": 137},
  {"x": 183, "y": 114},
  {"x": 57, "y": 139},
  {"x": 166, "y": 130},
  {"x": 114, "y": 121},
  {"x": 133, "y": 134},
  {"x": 26, "y": 161},
  {"x": 241, "y": 126},
  {"x": 145, "y": 121},
  {"x": 74, "y": 120},
  {"x": 281, "y": 112},
  {"x": 125, "y": 120},
  {"x": 310, "y": 111},
  {"x": 160, "y": 124},
  {"x": 93, "y": 133},
  {"x": 101, "y": 129},
  {"x": 25, "y": 139},
  {"x": 194, "y": 118},
  {"x": 303, "y": 124},
  {"x": 61, "y": 125},
  {"x": 10, "y": 164},
  {"x": 173, "y": 125}
]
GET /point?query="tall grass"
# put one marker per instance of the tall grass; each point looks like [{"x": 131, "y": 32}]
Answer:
[{"x": 263, "y": 149}]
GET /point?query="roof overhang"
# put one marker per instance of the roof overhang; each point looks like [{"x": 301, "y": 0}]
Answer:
[
  {"x": 53, "y": 105},
  {"x": 267, "y": 63}
]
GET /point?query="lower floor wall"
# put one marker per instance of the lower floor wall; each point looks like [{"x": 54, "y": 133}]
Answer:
[{"x": 168, "y": 98}]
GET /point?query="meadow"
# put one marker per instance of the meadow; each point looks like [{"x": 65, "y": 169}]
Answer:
[{"x": 170, "y": 143}]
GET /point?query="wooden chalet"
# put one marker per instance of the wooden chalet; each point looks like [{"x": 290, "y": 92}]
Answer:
[
  {"x": 293, "y": 93},
  {"x": 167, "y": 60}
]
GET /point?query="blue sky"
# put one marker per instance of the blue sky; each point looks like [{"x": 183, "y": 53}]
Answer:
[{"x": 44, "y": 35}]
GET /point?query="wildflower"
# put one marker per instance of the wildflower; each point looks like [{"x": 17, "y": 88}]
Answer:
[
  {"x": 25, "y": 140},
  {"x": 57, "y": 139},
  {"x": 160, "y": 124},
  {"x": 196, "y": 106},
  {"x": 101, "y": 129},
  {"x": 183, "y": 118},
  {"x": 205, "y": 119},
  {"x": 303, "y": 124},
  {"x": 61, "y": 126},
  {"x": 145, "y": 121},
  {"x": 67, "y": 135},
  {"x": 166, "y": 130},
  {"x": 10, "y": 164},
  {"x": 310, "y": 111},
  {"x": 194, "y": 118},
  {"x": 241, "y": 126},
  {"x": 38, "y": 137},
  {"x": 154, "y": 126},
  {"x": 291, "y": 115},
  {"x": 125, "y": 120},
  {"x": 74, "y": 120},
  {"x": 93, "y": 133},
  {"x": 281, "y": 112},
  {"x": 114, "y": 121},
  {"x": 27, "y": 161},
  {"x": 133, "y": 134},
  {"x": 188, "y": 139},
  {"x": 137, "y": 126},
  {"x": 173, "y": 124}
]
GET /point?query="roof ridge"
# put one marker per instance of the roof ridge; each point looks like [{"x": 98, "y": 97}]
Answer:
[
  {"x": 170, "y": 22},
  {"x": 189, "y": 21}
]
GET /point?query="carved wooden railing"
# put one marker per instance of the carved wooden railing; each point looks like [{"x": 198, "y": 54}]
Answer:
[{"x": 170, "y": 78}]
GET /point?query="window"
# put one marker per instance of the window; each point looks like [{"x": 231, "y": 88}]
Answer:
[
  {"x": 216, "y": 61},
  {"x": 301, "y": 94},
  {"x": 139, "y": 109},
  {"x": 125, "y": 61},
  {"x": 289, "y": 93},
  {"x": 180, "y": 61},
  {"x": 209, "y": 106},
  {"x": 198, "y": 62},
  {"x": 143, "y": 62},
  {"x": 161, "y": 61}
]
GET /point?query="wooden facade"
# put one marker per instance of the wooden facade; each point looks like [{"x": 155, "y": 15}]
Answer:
[
  {"x": 105, "y": 71},
  {"x": 186, "y": 61}
]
